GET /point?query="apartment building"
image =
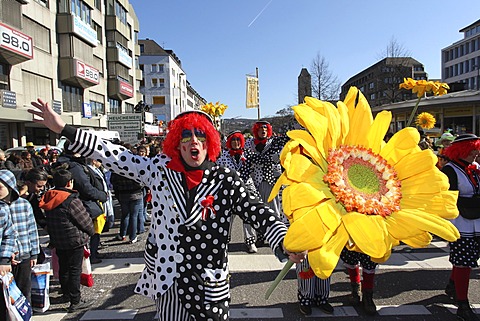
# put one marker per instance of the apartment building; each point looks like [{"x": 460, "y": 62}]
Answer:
[
  {"x": 461, "y": 60},
  {"x": 379, "y": 82},
  {"x": 165, "y": 87},
  {"x": 81, "y": 56}
]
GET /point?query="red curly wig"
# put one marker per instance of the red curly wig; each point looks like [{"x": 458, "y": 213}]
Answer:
[
  {"x": 258, "y": 124},
  {"x": 235, "y": 134},
  {"x": 460, "y": 150},
  {"x": 190, "y": 121}
]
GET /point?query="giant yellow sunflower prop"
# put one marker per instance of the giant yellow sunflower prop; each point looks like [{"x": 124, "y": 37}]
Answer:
[{"x": 346, "y": 187}]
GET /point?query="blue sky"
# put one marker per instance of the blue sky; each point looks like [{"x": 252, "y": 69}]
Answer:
[{"x": 220, "y": 41}]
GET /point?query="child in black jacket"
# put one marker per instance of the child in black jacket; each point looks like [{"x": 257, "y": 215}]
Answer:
[{"x": 70, "y": 227}]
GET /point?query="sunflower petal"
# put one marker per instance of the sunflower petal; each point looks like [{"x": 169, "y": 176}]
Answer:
[
  {"x": 305, "y": 233},
  {"x": 324, "y": 260},
  {"x": 377, "y": 132},
  {"x": 428, "y": 223},
  {"x": 315, "y": 123},
  {"x": 299, "y": 195},
  {"x": 419, "y": 241},
  {"x": 415, "y": 163},
  {"x": 401, "y": 144},
  {"x": 308, "y": 144},
  {"x": 368, "y": 232},
  {"x": 360, "y": 120},
  {"x": 443, "y": 203}
]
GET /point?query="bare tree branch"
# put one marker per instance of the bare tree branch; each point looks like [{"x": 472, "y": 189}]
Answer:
[{"x": 325, "y": 85}]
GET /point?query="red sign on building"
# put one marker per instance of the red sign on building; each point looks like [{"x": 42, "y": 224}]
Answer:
[{"x": 126, "y": 89}]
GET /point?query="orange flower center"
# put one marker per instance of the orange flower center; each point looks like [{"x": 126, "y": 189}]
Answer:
[{"x": 363, "y": 181}]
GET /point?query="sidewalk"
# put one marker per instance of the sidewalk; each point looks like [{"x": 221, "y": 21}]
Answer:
[{"x": 435, "y": 257}]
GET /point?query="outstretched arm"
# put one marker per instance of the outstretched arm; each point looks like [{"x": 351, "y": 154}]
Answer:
[{"x": 46, "y": 116}]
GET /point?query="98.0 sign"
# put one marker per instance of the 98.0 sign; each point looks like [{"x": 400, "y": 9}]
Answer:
[{"x": 16, "y": 41}]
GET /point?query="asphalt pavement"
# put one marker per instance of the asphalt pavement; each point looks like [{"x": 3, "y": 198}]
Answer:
[{"x": 410, "y": 286}]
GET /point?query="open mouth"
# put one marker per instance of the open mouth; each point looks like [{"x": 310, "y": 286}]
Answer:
[{"x": 194, "y": 152}]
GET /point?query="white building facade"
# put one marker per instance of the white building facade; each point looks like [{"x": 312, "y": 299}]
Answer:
[
  {"x": 164, "y": 86},
  {"x": 461, "y": 60}
]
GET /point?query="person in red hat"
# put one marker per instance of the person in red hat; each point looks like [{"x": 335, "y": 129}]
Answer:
[
  {"x": 264, "y": 165},
  {"x": 235, "y": 158},
  {"x": 463, "y": 174},
  {"x": 186, "y": 263}
]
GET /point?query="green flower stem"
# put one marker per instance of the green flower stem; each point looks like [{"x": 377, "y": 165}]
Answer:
[
  {"x": 414, "y": 111},
  {"x": 279, "y": 278}
]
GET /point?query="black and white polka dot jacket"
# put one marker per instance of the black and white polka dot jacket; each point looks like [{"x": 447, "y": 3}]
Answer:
[
  {"x": 265, "y": 166},
  {"x": 182, "y": 246}
]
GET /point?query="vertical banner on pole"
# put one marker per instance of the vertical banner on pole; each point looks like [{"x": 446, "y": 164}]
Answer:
[{"x": 252, "y": 92}]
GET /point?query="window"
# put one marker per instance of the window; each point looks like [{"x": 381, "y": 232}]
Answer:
[
  {"x": 98, "y": 4},
  {"x": 159, "y": 100},
  {"x": 120, "y": 12},
  {"x": 4, "y": 71},
  {"x": 161, "y": 68},
  {"x": 142, "y": 83},
  {"x": 98, "y": 29},
  {"x": 372, "y": 96},
  {"x": 72, "y": 98},
  {"x": 114, "y": 106},
  {"x": 142, "y": 67},
  {"x": 39, "y": 33},
  {"x": 81, "y": 10},
  {"x": 129, "y": 108},
  {"x": 142, "y": 48},
  {"x": 97, "y": 103},
  {"x": 36, "y": 86},
  {"x": 154, "y": 82},
  {"x": 154, "y": 68},
  {"x": 161, "y": 83},
  {"x": 43, "y": 3}
]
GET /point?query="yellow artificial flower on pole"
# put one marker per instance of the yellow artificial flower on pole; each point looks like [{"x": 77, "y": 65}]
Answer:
[
  {"x": 420, "y": 87},
  {"x": 346, "y": 187},
  {"x": 215, "y": 110}
]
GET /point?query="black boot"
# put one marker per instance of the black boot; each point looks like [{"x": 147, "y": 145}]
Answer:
[
  {"x": 367, "y": 302},
  {"x": 450, "y": 290},
  {"x": 465, "y": 312},
  {"x": 354, "y": 297}
]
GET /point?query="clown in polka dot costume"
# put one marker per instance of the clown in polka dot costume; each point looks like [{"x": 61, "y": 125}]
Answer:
[{"x": 186, "y": 263}]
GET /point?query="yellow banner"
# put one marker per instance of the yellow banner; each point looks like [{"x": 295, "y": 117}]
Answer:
[{"x": 252, "y": 92}]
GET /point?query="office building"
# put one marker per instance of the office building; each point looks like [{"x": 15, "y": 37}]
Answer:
[
  {"x": 80, "y": 56},
  {"x": 461, "y": 60}
]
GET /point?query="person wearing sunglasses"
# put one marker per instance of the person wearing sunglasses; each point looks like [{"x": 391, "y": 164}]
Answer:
[
  {"x": 234, "y": 158},
  {"x": 194, "y": 199}
]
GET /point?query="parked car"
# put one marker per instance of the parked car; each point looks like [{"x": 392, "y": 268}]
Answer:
[{"x": 20, "y": 149}]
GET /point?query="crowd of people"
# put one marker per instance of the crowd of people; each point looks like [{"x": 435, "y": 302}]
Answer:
[{"x": 194, "y": 185}]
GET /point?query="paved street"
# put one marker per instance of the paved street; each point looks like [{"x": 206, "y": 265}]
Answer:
[{"x": 409, "y": 287}]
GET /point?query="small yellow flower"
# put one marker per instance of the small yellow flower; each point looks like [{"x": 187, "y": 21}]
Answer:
[
  {"x": 214, "y": 110},
  {"x": 420, "y": 87},
  {"x": 425, "y": 120}
]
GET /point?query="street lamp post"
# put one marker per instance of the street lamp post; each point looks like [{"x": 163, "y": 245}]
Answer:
[
  {"x": 180, "y": 88},
  {"x": 477, "y": 85}
]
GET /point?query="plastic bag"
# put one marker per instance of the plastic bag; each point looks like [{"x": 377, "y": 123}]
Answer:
[
  {"x": 40, "y": 287},
  {"x": 86, "y": 277},
  {"x": 18, "y": 308}
]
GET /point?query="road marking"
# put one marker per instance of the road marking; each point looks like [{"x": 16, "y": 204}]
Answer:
[
  {"x": 124, "y": 314},
  {"x": 256, "y": 313},
  {"x": 406, "y": 309},
  {"x": 453, "y": 308},
  {"x": 48, "y": 316},
  {"x": 338, "y": 311}
]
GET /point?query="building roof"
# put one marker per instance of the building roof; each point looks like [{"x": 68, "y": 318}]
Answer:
[
  {"x": 430, "y": 101},
  {"x": 151, "y": 48},
  {"x": 406, "y": 61},
  {"x": 469, "y": 26}
]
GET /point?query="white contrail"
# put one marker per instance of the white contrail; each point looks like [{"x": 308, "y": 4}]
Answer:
[{"x": 258, "y": 15}]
